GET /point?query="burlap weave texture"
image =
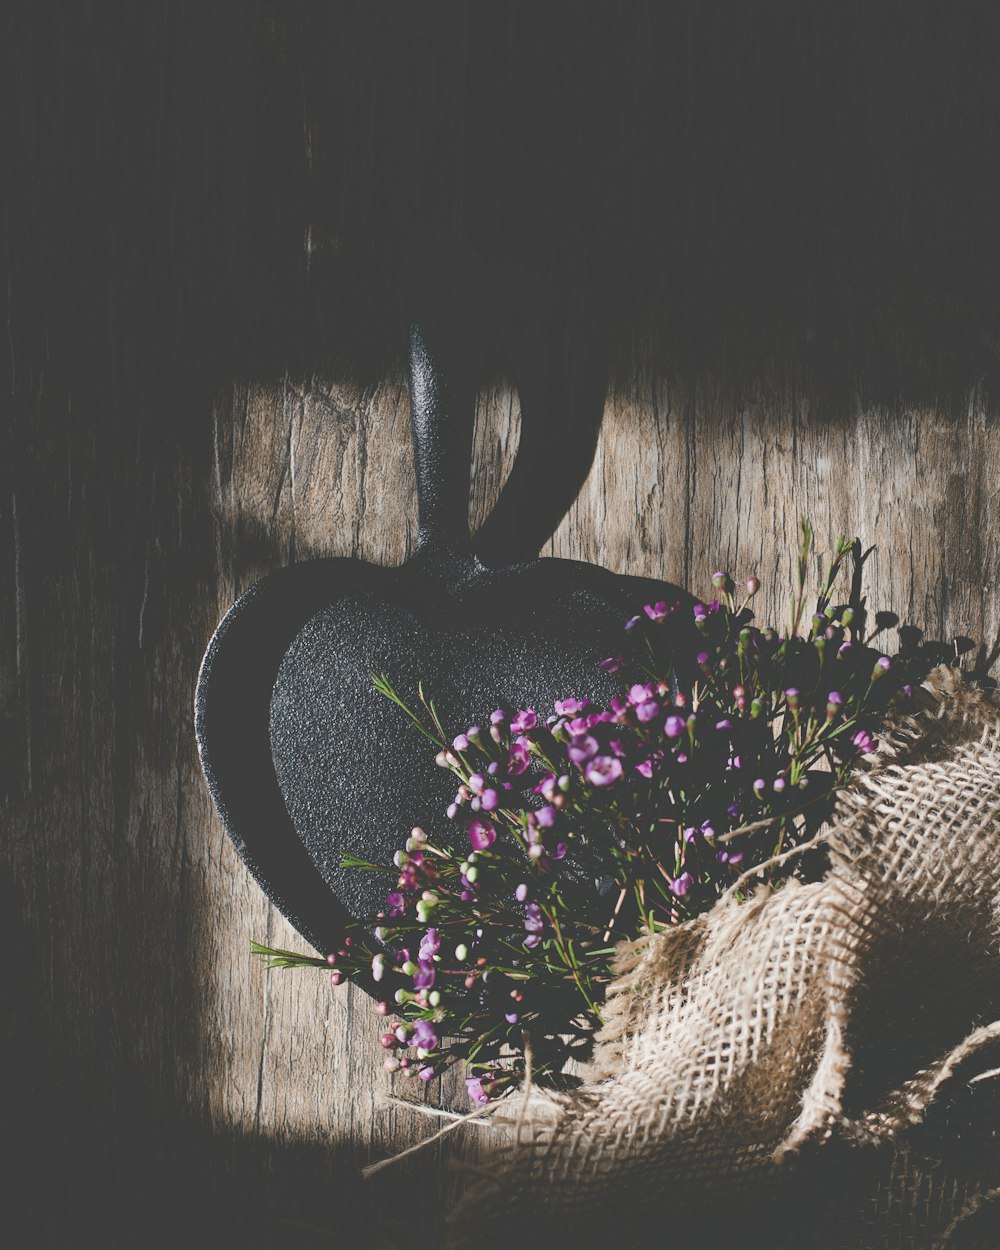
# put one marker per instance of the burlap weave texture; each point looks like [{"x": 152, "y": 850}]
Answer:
[{"x": 811, "y": 1067}]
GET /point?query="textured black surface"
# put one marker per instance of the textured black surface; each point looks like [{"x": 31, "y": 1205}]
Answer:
[
  {"x": 305, "y": 761},
  {"x": 355, "y": 774}
]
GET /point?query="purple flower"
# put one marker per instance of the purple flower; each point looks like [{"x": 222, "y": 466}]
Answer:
[
  {"x": 680, "y": 885},
  {"x": 582, "y": 749},
  {"x": 395, "y": 902},
  {"x": 511, "y": 1017},
  {"x": 430, "y": 944},
  {"x": 521, "y": 893},
  {"x": 618, "y": 714},
  {"x": 519, "y": 756},
  {"x": 613, "y": 664},
  {"x": 647, "y": 711},
  {"x": 534, "y": 925},
  {"x": 603, "y": 770},
  {"x": 423, "y": 978},
  {"x": 547, "y": 787},
  {"x": 674, "y": 726},
  {"x": 570, "y": 707},
  {"x": 482, "y": 834},
  {"x": 640, "y": 693},
  {"x": 724, "y": 725},
  {"x": 423, "y": 1035},
  {"x": 474, "y": 1088},
  {"x": 378, "y": 967},
  {"x": 498, "y": 717},
  {"x": 427, "y": 1073},
  {"x": 546, "y": 816},
  {"x": 864, "y": 741},
  {"x": 461, "y": 743},
  {"x": 489, "y": 800},
  {"x": 659, "y": 611},
  {"x": 524, "y": 721}
]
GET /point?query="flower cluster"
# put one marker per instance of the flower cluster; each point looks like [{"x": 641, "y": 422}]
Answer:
[{"x": 574, "y": 827}]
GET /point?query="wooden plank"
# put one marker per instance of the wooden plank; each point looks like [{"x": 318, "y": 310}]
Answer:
[
  {"x": 156, "y": 1057},
  {"x": 676, "y": 490},
  {"x": 171, "y": 178}
]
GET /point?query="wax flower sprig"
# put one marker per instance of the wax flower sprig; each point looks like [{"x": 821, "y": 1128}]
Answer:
[{"x": 573, "y": 829}]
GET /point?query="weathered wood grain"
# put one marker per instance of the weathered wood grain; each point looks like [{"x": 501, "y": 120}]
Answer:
[
  {"x": 154, "y": 1056},
  {"x": 171, "y": 173}
]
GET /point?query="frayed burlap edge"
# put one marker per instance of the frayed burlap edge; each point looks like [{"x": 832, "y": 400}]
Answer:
[{"x": 780, "y": 988}]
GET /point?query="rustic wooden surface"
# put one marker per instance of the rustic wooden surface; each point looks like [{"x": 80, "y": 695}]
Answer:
[
  {"x": 174, "y": 1088},
  {"x": 172, "y": 173}
]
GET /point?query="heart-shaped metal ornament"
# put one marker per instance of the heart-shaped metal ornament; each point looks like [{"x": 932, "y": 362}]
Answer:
[{"x": 305, "y": 761}]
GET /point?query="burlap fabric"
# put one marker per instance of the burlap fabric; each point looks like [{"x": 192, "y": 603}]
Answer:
[{"x": 817, "y": 1066}]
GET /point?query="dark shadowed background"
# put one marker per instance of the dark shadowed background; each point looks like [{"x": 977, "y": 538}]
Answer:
[{"x": 769, "y": 230}]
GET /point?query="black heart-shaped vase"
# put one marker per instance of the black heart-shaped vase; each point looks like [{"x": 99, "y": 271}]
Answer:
[{"x": 305, "y": 761}]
